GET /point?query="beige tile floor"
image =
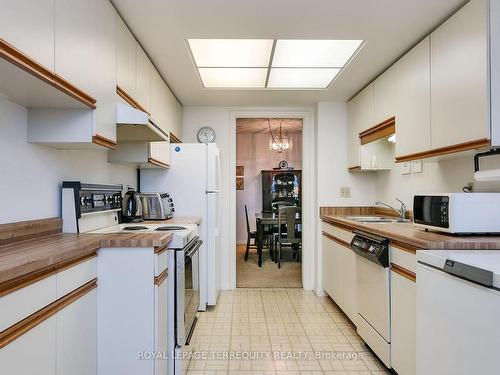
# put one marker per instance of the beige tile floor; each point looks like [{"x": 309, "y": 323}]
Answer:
[{"x": 249, "y": 327}]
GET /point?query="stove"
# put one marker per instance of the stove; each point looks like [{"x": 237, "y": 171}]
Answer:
[{"x": 181, "y": 235}]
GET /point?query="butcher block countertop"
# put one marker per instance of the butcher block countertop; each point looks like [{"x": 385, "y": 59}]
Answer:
[
  {"x": 36, "y": 245},
  {"x": 406, "y": 234}
]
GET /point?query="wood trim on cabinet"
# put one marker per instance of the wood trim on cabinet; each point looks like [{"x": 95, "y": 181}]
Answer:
[
  {"x": 404, "y": 247},
  {"x": 104, "y": 142},
  {"x": 25, "y": 280},
  {"x": 174, "y": 139},
  {"x": 159, "y": 250},
  {"x": 381, "y": 130},
  {"x": 130, "y": 100},
  {"x": 336, "y": 239},
  {"x": 17, "y": 330},
  {"x": 354, "y": 168},
  {"x": 404, "y": 272},
  {"x": 31, "y": 66},
  {"x": 158, "y": 163},
  {"x": 466, "y": 146},
  {"x": 338, "y": 225},
  {"x": 161, "y": 277}
]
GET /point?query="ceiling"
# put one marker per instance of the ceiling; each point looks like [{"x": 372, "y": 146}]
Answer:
[
  {"x": 390, "y": 27},
  {"x": 260, "y": 125}
]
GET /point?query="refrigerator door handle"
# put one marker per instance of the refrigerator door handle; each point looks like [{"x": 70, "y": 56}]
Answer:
[{"x": 212, "y": 191}]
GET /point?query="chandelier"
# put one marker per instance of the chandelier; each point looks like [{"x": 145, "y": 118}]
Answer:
[{"x": 279, "y": 143}]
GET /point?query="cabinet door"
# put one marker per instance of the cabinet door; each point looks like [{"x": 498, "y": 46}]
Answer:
[
  {"x": 360, "y": 118},
  {"x": 158, "y": 100},
  {"x": 33, "y": 353},
  {"x": 327, "y": 265},
  {"x": 348, "y": 265},
  {"x": 74, "y": 42},
  {"x": 161, "y": 326},
  {"x": 104, "y": 70},
  {"x": 28, "y": 25},
  {"x": 77, "y": 337},
  {"x": 125, "y": 59},
  {"x": 143, "y": 79},
  {"x": 459, "y": 82},
  {"x": 384, "y": 96},
  {"x": 413, "y": 93},
  {"x": 172, "y": 107},
  {"x": 160, "y": 151},
  {"x": 403, "y": 323}
]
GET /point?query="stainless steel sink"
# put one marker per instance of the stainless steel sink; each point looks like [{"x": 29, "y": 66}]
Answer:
[{"x": 378, "y": 219}]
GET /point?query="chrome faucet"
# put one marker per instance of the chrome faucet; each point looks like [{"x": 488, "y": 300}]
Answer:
[{"x": 401, "y": 212}]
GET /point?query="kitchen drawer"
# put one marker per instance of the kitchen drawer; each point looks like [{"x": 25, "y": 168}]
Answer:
[
  {"x": 161, "y": 262},
  {"x": 342, "y": 234},
  {"x": 404, "y": 258},
  {"x": 23, "y": 302},
  {"x": 75, "y": 276}
]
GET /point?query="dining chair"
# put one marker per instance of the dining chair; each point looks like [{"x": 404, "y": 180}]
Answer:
[
  {"x": 251, "y": 235},
  {"x": 288, "y": 235}
]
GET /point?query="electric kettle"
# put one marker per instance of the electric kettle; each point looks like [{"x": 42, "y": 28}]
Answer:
[{"x": 131, "y": 207}]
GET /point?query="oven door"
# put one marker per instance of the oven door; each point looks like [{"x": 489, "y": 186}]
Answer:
[{"x": 192, "y": 288}]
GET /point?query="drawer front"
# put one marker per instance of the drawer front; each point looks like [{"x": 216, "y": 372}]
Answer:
[
  {"x": 161, "y": 262},
  {"x": 404, "y": 258},
  {"x": 342, "y": 234},
  {"x": 21, "y": 303},
  {"x": 75, "y": 276}
]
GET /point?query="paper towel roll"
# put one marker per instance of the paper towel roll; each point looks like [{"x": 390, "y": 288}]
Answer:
[{"x": 487, "y": 175}]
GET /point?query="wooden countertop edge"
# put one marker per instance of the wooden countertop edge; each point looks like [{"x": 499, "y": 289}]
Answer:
[
  {"x": 411, "y": 244},
  {"x": 161, "y": 277}
]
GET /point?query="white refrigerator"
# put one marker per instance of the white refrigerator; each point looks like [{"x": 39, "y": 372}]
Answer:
[{"x": 193, "y": 181}]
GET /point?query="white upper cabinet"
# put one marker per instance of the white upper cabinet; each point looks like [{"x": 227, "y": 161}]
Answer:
[
  {"x": 28, "y": 25},
  {"x": 459, "y": 77},
  {"x": 384, "y": 96},
  {"x": 360, "y": 117},
  {"x": 143, "y": 79},
  {"x": 413, "y": 101},
  {"x": 126, "y": 59}
]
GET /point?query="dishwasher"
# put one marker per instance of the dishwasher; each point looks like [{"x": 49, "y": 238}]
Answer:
[
  {"x": 458, "y": 310},
  {"x": 373, "y": 292}
]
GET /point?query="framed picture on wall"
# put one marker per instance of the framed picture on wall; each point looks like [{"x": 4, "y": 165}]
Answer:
[
  {"x": 240, "y": 183},
  {"x": 240, "y": 170}
]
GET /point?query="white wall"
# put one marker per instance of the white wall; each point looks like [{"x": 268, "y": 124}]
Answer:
[
  {"x": 31, "y": 175},
  {"x": 253, "y": 152}
]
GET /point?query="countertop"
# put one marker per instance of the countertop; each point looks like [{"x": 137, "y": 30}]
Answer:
[
  {"x": 24, "y": 257},
  {"x": 177, "y": 220},
  {"x": 407, "y": 234}
]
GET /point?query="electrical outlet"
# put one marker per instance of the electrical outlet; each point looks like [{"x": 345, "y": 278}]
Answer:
[{"x": 345, "y": 192}]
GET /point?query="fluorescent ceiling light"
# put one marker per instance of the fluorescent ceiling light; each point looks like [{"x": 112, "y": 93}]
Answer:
[
  {"x": 314, "y": 53},
  {"x": 227, "y": 53},
  {"x": 234, "y": 77},
  {"x": 268, "y": 63},
  {"x": 310, "y": 78}
]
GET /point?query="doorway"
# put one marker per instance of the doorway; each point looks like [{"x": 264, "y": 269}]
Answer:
[{"x": 269, "y": 159}]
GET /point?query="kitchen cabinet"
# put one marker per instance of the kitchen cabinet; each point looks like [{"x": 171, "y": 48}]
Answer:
[
  {"x": 126, "y": 59},
  {"x": 28, "y": 25},
  {"x": 160, "y": 151},
  {"x": 161, "y": 326},
  {"x": 77, "y": 337},
  {"x": 459, "y": 77},
  {"x": 33, "y": 353},
  {"x": 143, "y": 78},
  {"x": 360, "y": 117},
  {"x": 165, "y": 109},
  {"x": 141, "y": 154},
  {"x": 384, "y": 96},
  {"x": 413, "y": 103}
]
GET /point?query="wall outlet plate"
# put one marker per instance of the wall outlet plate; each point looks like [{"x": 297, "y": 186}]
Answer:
[
  {"x": 417, "y": 166},
  {"x": 406, "y": 168},
  {"x": 345, "y": 192}
]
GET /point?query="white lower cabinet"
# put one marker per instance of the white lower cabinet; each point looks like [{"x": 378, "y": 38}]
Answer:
[
  {"x": 403, "y": 324},
  {"x": 77, "y": 337},
  {"x": 161, "y": 327},
  {"x": 33, "y": 353},
  {"x": 339, "y": 270}
]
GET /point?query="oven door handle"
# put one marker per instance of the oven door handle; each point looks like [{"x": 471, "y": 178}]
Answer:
[{"x": 190, "y": 252}]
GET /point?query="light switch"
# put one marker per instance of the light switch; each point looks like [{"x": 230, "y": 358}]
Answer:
[
  {"x": 345, "y": 192},
  {"x": 417, "y": 166},
  {"x": 406, "y": 168}
]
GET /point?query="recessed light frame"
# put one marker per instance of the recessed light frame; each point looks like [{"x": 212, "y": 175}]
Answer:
[{"x": 270, "y": 66}]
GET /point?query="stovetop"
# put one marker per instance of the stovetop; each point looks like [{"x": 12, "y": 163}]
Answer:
[{"x": 181, "y": 234}]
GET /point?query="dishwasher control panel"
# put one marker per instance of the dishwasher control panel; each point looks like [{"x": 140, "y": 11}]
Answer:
[{"x": 373, "y": 248}]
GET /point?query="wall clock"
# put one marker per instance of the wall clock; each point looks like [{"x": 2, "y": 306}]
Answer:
[{"x": 206, "y": 135}]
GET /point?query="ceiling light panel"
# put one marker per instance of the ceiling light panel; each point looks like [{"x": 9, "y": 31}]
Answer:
[
  {"x": 301, "y": 78},
  {"x": 314, "y": 53},
  {"x": 233, "y": 77},
  {"x": 231, "y": 52}
]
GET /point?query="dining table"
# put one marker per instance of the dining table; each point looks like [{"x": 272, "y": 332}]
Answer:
[{"x": 267, "y": 218}]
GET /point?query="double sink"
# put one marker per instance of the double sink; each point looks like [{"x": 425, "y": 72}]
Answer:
[{"x": 378, "y": 219}]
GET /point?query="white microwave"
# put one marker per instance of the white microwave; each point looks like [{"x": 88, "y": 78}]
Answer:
[{"x": 459, "y": 213}]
